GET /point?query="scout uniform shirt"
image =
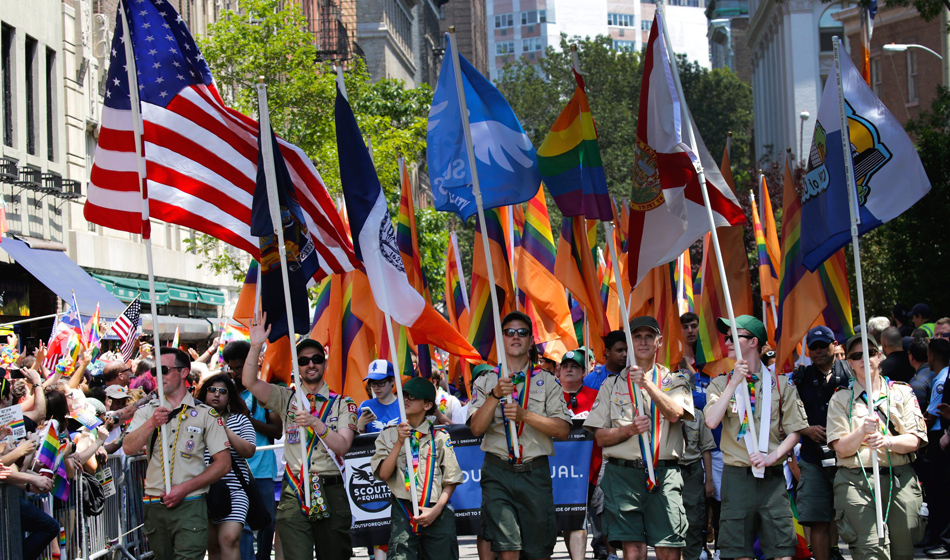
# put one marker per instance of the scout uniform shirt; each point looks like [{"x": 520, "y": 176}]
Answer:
[
  {"x": 339, "y": 412},
  {"x": 699, "y": 438},
  {"x": 897, "y": 407},
  {"x": 192, "y": 428},
  {"x": 614, "y": 408},
  {"x": 544, "y": 398},
  {"x": 446, "y": 471},
  {"x": 791, "y": 417}
]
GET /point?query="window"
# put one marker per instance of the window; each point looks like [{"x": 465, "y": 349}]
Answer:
[
  {"x": 531, "y": 45},
  {"x": 533, "y": 16},
  {"x": 646, "y": 24},
  {"x": 628, "y": 46},
  {"x": 50, "y": 104},
  {"x": 504, "y": 20},
  {"x": 504, "y": 47},
  {"x": 621, "y": 20},
  {"x": 876, "y": 76},
  {"x": 7, "y": 60},
  {"x": 30, "y": 68},
  {"x": 828, "y": 27},
  {"x": 913, "y": 95}
]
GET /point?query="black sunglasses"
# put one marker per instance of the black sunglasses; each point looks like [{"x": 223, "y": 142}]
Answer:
[
  {"x": 165, "y": 370},
  {"x": 317, "y": 359},
  {"x": 818, "y": 345},
  {"x": 522, "y": 332},
  {"x": 858, "y": 356},
  {"x": 747, "y": 336}
]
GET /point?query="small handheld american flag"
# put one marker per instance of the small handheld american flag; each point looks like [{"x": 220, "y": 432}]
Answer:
[{"x": 126, "y": 327}]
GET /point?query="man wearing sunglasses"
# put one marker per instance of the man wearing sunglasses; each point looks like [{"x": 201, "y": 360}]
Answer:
[
  {"x": 517, "y": 496},
  {"x": 176, "y": 522},
  {"x": 328, "y": 428},
  {"x": 816, "y": 383}
]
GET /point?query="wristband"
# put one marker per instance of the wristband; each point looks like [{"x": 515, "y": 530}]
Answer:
[
  {"x": 492, "y": 393},
  {"x": 326, "y": 429}
]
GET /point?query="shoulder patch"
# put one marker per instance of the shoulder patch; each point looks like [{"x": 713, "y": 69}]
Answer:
[
  {"x": 212, "y": 411},
  {"x": 220, "y": 422},
  {"x": 351, "y": 406}
]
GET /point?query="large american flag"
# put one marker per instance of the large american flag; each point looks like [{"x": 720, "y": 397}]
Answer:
[
  {"x": 201, "y": 156},
  {"x": 126, "y": 327}
]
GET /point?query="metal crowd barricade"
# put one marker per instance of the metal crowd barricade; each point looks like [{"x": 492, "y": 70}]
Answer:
[{"x": 11, "y": 537}]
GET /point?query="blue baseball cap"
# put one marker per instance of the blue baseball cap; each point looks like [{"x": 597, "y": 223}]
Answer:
[
  {"x": 820, "y": 333},
  {"x": 379, "y": 370}
]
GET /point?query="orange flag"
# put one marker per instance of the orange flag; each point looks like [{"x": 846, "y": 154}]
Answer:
[
  {"x": 577, "y": 270},
  {"x": 734, "y": 257}
]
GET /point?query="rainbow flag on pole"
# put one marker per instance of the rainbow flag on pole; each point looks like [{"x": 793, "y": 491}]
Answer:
[
  {"x": 60, "y": 476},
  {"x": 49, "y": 448},
  {"x": 93, "y": 335}
]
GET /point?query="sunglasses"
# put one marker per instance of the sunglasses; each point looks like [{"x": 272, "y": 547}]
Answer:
[
  {"x": 746, "y": 336},
  {"x": 858, "y": 356},
  {"x": 819, "y": 345},
  {"x": 165, "y": 370},
  {"x": 944, "y": 335},
  {"x": 317, "y": 359},
  {"x": 218, "y": 390},
  {"x": 522, "y": 332}
]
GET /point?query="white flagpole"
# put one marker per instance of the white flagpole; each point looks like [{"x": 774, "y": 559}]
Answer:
[
  {"x": 130, "y": 71},
  {"x": 476, "y": 189},
  {"x": 458, "y": 265},
  {"x": 270, "y": 176},
  {"x": 392, "y": 340},
  {"x": 856, "y": 249},
  {"x": 750, "y": 439}
]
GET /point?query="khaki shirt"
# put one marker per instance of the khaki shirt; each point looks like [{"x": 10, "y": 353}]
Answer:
[
  {"x": 544, "y": 398},
  {"x": 191, "y": 428},
  {"x": 614, "y": 408},
  {"x": 699, "y": 438},
  {"x": 792, "y": 417},
  {"x": 342, "y": 415},
  {"x": 902, "y": 414},
  {"x": 447, "y": 470}
]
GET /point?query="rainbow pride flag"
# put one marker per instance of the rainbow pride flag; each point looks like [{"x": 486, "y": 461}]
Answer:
[
  {"x": 60, "y": 476},
  {"x": 456, "y": 306},
  {"x": 570, "y": 164},
  {"x": 93, "y": 335},
  {"x": 837, "y": 312},
  {"x": 685, "y": 300},
  {"x": 767, "y": 248},
  {"x": 49, "y": 448},
  {"x": 576, "y": 268}
]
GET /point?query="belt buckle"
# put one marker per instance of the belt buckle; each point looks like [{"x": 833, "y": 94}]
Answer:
[{"x": 521, "y": 467}]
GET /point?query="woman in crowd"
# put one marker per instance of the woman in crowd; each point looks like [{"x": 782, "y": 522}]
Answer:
[
  {"x": 224, "y": 534},
  {"x": 896, "y": 429}
]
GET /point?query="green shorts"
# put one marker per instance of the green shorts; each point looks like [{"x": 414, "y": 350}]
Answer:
[
  {"x": 815, "y": 497},
  {"x": 180, "y": 532},
  {"x": 755, "y": 507},
  {"x": 518, "y": 508},
  {"x": 299, "y": 535},
  {"x": 437, "y": 541},
  {"x": 634, "y": 514}
]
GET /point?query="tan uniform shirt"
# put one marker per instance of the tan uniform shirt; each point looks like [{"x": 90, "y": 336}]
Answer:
[
  {"x": 447, "y": 470},
  {"x": 544, "y": 398},
  {"x": 791, "y": 417},
  {"x": 699, "y": 438},
  {"x": 902, "y": 413},
  {"x": 342, "y": 415},
  {"x": 614, "y": 408},
  {"x": 191, "y": 428}
]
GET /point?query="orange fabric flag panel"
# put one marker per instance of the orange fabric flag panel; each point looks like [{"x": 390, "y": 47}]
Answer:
[{"x": 575, "y": 267}]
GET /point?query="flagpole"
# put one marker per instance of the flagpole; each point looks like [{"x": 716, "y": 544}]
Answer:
[
  {"x": 270, "y": 177},
  {"x": 458, "y": 265},
  {"x": 131, "y": 74},
  {"x": 856, "y": 249},
  {"x": 477, "y": 191},
  {"x": 393, "y": 352},
  {"x": 750, "y": 439}
]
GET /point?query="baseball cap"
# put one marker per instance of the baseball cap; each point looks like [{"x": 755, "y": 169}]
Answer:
[
  {"x": 747, "y": 322},
  {"x": 820, "y": 333},
  {"x": 310, "y": 343},
  {"x": 921, "y": 309},
  {"x": 516, "y": 316},
  {"x": 645, "y": 321},
  {"x": 420, "y": 388},
  {"x": 96, "y": 405},
  {"x": 856, "y": 339},
  {"x": 480, "y": 369},
  {"x": 578, "y": 356},
  {"x": 117, "y": 392},
  {"x": 379, "y": 370}
]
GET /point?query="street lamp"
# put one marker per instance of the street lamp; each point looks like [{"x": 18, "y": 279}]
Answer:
[
  {"x": 895, "y": 47},
  {"x": 801, "y": 132}
]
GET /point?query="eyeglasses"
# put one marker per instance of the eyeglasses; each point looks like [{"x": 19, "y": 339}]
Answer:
[
  {"x": 165, "y": 370},
  {"x": 858, "y": 356},
  {"x": 818, "y": 345},
  {"x": 408, "y": 398},
  {"x": 317, "y": 359},
  {"x": 218, "y": 390},
  {"x": 521, "y": 333},
  {"x": 379, "y": 382}
]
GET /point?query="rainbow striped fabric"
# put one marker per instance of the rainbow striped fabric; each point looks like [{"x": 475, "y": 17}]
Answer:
[
  {"x": 49, "y": 449},
  {"x": 570, "y": 164},
  {"x": 93, "y": 335},
  {"x": 837, "y": 314},
  {"x": 766, "y": 244}
]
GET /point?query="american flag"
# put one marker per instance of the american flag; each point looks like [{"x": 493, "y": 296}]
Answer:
[
  {"x": 126, "y": 327},
  {"x": 201, "y": 156}
]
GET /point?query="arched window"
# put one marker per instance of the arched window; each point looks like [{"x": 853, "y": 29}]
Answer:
[{"x": 829, "y": 27}]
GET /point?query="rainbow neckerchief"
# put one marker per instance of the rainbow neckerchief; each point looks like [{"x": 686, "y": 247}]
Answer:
[
  {"x": 744, "y": 425},
  {"x": 655, "y": 421},
  {"x": 428, "y": 478},
  {"x": 520, "y": 377},
  {"x": 318, "y": 508}
]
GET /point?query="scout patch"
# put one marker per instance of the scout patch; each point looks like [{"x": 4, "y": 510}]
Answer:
[
  {"x": 293, "y": 436},
  {"x": 194, "y": 429},
  {"x": 190, "y": 445},
  {"x": 667, "y": 383},
  {"x": 540, "y": 383},
  {"x": 194, "y": 413},
  {"x": 212, "y": 412},
  {"x": 351, "y": 407}
]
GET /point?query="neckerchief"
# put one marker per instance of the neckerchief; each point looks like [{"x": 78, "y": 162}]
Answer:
[
  {"x": 655, "y": 423},
  {"x": 426, "y": 483},
  {"x": 525, "y": 380},
  {"x": 746, "y": 414},
  {"x": 318, "y": 505}
]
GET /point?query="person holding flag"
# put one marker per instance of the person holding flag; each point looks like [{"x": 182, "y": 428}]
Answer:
[
  {"x": 517, "y": 497},
  {"x": 176, "y": 522},
  {"x": 754, "y": 503},
  {"x": 328, "y": 428},
  {"x": 638, "y": 512}
]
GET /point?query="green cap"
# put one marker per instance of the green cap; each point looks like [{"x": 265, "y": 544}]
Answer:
[
  {"x": 480, "y": 369},
  {"x": 420, "y": 388},
  {"x": 747, "y": 322},
  {"x": 578, "y": 356}
]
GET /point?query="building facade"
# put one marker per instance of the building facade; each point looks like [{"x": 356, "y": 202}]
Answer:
[
  {"x": 400, "y": 39},
  {"x": 728, "y": 42},
  {"x": 471, "y": 30}
]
